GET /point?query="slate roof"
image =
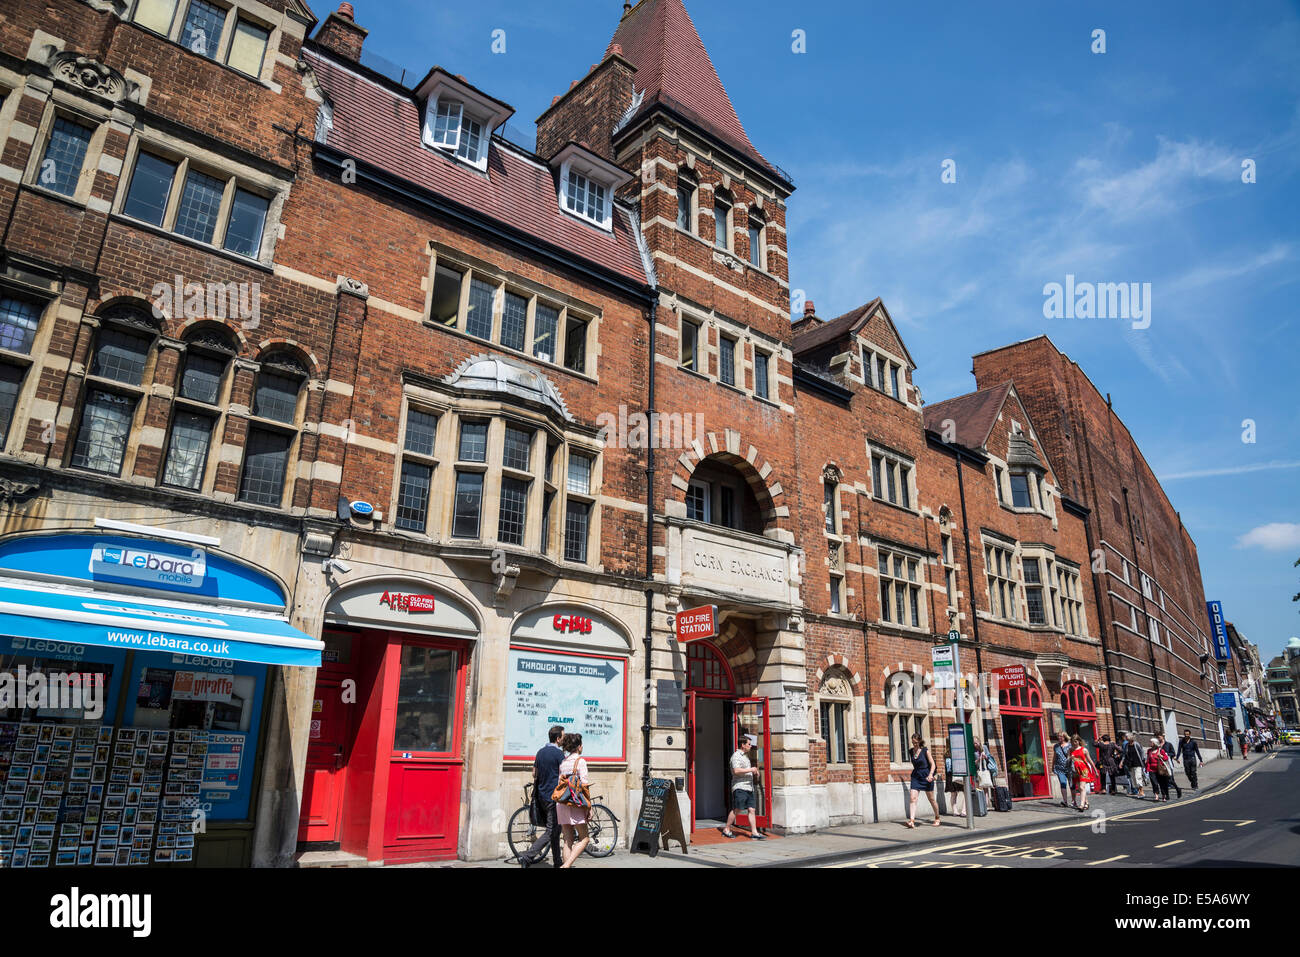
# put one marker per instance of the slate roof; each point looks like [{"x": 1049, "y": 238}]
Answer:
[
  {"x": 381, "y": 125},
  {"x": 674, "y": 69},
  {"x": 817, "y": 334}
]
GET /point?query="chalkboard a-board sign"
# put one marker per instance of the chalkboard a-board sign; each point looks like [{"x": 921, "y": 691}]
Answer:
[
  {"x": 660, "y": 817},
  {"x": 668, "y": 709}
]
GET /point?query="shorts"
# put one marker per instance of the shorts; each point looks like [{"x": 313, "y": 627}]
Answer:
[{"x": 742, "y": 800}]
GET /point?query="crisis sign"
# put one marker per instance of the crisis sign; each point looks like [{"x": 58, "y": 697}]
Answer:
[
  {"x": 696, "y": 623},
  {"x": 1012, "y": 676}
]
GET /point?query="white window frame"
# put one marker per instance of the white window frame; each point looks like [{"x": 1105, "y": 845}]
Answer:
[{"x": 456, "y": 146}]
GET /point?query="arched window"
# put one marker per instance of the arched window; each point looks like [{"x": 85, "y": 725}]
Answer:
[
  {"x": 835, "y": 711},
  {"x": 1027, "y": 700},
  {"x": 1078, "y": 701},
  {"x": 277, "y": 401},
  {"x": 114, "y": 387},
  {"x": 201, "y": 398},
  {"x": 707, "y": 672},
  {"x": 719, "y": 495},
  {"x": 905, "y": 704}
]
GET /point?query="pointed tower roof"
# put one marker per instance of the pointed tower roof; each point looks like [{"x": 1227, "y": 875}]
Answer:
[{"x": 674, "y": 71}]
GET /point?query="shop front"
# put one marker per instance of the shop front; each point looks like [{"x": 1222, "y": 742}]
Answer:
[
  {"x": 1021, "y": 710},
  {"x": 386, "y": 745},
  {"x": 133, "y": 675},
  {"x": 1080, "y": 707}
]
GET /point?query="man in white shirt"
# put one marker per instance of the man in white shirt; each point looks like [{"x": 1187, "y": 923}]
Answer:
[{"x": 743, "y": 776}]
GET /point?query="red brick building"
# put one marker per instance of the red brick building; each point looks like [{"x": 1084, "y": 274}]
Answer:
[{"x": 1151, "y": 602}]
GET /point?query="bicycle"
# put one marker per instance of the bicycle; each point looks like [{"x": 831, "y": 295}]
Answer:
[{"x": 602, "y": 828}]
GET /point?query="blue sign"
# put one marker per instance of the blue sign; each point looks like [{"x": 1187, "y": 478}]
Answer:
[
  {"x": 363, "y": 508},
  {"x": 1225, "y": 699},
  {"x": 174, "y": 567},
  {"x": 1217, "y": 630}
]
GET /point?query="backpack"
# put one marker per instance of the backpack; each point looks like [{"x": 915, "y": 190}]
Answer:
[{"x": 571, "y": 790}]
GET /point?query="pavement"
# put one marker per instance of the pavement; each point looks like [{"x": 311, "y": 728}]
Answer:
[{"x": 843, "y": 846}]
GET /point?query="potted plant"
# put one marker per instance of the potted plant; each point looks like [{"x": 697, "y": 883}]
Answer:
[{"x": 1023, "y": 768}]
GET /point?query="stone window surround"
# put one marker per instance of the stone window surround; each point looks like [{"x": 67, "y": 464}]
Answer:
[
  {"x": 48, "y": 302},
  {"x": 450, "y": 412},
  {"x": 711, "y": 327},
  {"x": 504, "y": 281},
  {"x": 1069, "y": 572},
  {"x": 250, "y": 10},
  {"x": 293, "y": 467},
  {"x": 1046, "y": 557},
  {"x": 219, "y": 413},
  {"x": 1038, "y": 486},
  {"x": 836, "y": 686},
  {"x": 907, "y": 553},
  {"x": 867, "y": 349},
  {"x": 916, "y": 707},
  {"x": 61, "y": 104},
  {"x": 1013, "y": 576},
  {"x": 895, "y": 460},
  {"x": 12, "y": 90},
  {"x": 235, "y": 174}
]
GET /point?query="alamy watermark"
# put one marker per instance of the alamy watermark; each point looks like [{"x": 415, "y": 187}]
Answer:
[
  {"x": 235, "y": 301},
  {"x": 53, "y": 690},
  {"x": 656, "y": 430},
  {"x": 1100, "y": 300}
]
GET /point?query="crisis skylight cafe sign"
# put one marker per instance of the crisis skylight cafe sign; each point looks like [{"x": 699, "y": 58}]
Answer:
[{"x": 1215, "y": 611}]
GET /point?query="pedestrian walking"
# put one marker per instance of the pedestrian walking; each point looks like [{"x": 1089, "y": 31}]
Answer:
[
  {"x": 1108, "y": 758},
  {"x": 1170, "y": 750},
  {"x": 1084, "y": 772},
  {"x": 1227, "y": 744},
  {"x": 986, "y": 769},
  {"x": 743, "y": 775},
  {"x": 955, "y": 787},
  {"x": 1063, "y": 766},
  {"x": 923, "y": 771},
  {"x": 573, "y": 799},
  {"x": 1244, "y": 742},
  {"x": 546, "y": 777},
  {"x": 1160, "y": 768},
  {"x": 1190, "y": 753},
  {"x": 1133, "y": 763}
]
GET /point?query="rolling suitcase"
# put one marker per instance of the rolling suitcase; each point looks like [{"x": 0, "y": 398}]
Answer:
[
  {"x": 979, "y": 802},
  {"x": 1002, "y": 799}
]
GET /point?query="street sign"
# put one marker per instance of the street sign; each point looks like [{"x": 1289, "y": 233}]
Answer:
[
  {"x": 1012, "y": 676},
  {"x": 954, "y": 635},
  {"x": 696, "y": 623},
  {"x": 1225, "y": 699},
  {"x": 943, "y": 658}
]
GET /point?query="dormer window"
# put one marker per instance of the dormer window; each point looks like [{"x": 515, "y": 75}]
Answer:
[
  {"x": 586, "y": 198},
  {"x": 459, "y": 119},
  {"x": 587, "y": 184}
]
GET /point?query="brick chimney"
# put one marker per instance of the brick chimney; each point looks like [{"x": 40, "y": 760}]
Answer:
[
  {"x": 589, "y": 109},
  {"x": 809, "y": 309},
  {"x": 341, "y": 34}
]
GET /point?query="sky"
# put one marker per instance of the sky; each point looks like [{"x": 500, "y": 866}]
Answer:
[{"x": 1120, "y": 157}]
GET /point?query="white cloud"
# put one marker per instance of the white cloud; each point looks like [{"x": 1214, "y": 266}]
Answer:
[
  {"x": 1275, "y": 536},
  {"x": 1231, "y": 470},
  {"x": 1162, "y": 185}
]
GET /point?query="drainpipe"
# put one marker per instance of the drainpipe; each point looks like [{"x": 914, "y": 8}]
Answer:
[
  {"x": 970, "y": 579},
  {"x": 649, "y": 549},
  {"x": 866, "y": 663}
]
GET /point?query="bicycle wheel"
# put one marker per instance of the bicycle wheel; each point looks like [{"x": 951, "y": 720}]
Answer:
[
  {"x": 523, "y": 833},
  {"x": 603, "y": 828}
]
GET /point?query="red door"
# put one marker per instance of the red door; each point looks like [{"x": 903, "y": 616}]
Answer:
[
  {"x": 750, "y": 716},
  {"x": 328, "y": 745},
  {"x": 425, "y": 764}
]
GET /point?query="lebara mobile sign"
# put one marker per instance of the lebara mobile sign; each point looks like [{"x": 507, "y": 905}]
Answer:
[
  {"x": 1220, "y": 634},
  {"x": 152, "y": 568}
]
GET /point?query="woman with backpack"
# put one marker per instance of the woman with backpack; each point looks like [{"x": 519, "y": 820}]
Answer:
[
  {"x": 1160, "y": 769},
  {"x": 572, "y": 798},
  {"x": 1133, "y": 762}
]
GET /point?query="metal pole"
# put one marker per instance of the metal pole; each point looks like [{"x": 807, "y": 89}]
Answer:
[{"x": 961, "y": 719}]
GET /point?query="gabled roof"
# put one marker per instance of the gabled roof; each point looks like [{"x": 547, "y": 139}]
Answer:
[
  {"x": 974, "y": 415},
  {"x": 814, "y": 335},
  {"x": 381, "y": 125},
  {"x": 674, "y": 70}
]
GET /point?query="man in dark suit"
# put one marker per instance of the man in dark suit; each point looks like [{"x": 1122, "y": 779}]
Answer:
[
  {"x": 546, "y": 776},
  {"x": 1190, "y": 752}
]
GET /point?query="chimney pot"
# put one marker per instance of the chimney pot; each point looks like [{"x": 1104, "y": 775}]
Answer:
[
  {"x": 616, "y": 50},
  {"x": 809, "y": 309},
  {"x": 346, "y": 11}
]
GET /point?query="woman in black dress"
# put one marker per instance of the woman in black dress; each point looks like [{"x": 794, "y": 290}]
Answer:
[{"x": 922, "y": 780}]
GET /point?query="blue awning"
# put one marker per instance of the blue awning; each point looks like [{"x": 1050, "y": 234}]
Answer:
[{"x": 129, "y": 623}]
